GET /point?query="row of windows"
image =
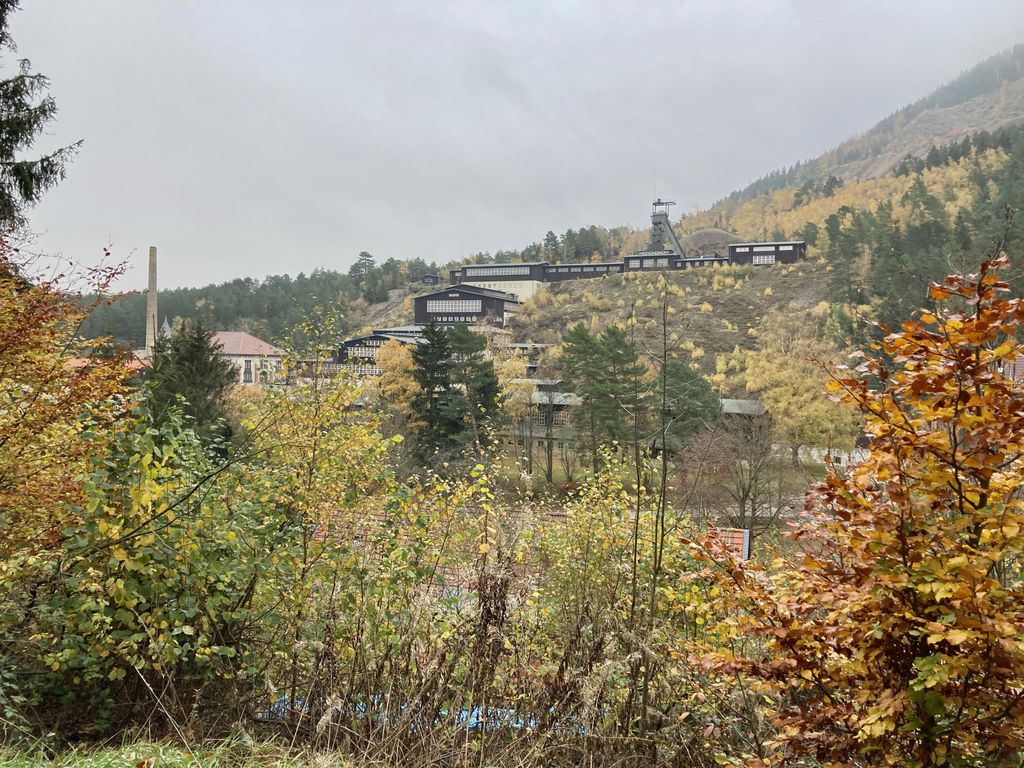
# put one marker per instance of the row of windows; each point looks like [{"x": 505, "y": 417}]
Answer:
[
  {"x": 435, "y": 306},
  {"x": 647, "y": 263},
  {"x": 247, "y": 371},
  {"x": 764, "y": 248},
  {"x": 363, "y": 369},
  {"x": 495, "y": 271},
  {"x": 363, "y": 351},
  {"x": 761, "y": 259},
  {"x": 559, "y": 418},
  {"x": 595, "y": 268},
  {"x": 455, "y": 318}
]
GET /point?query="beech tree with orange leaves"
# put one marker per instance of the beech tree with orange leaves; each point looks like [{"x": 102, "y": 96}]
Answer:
[
  {"x": 54, "y": 389},
  {"x": 895, "y": 634}
]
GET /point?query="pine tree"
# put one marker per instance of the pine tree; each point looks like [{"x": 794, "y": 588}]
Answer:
[
  {"x": 581, "y": 367},
  {"x": 475, "y": 376},
  {"x": 189, "y": 364},
  {"x": 25, "y": 111},
  {"x": 439, "y": 407},
  {"x": 364, "y": 266},
  {"x": 602, "y": 371},
  {"x": 691, "y": 403},
  {"x": 551, "y": 246}
]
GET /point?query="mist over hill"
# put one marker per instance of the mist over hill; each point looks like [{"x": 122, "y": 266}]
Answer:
[{"x": 986, "y": 97}]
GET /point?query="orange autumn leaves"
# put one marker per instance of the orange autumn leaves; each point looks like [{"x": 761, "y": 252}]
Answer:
[
  {"x": 893, "y": 630},
  {"x": 47, "y": 408}
]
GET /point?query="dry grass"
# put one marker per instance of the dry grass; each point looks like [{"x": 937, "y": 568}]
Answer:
[
  {"x": 240, "y": 753},
  {"x": 734, "y": 299}
]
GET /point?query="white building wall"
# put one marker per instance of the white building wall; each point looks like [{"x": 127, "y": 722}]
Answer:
[
  {"x": 270, "y": 365},
  {"x": 521, "y": 289}
]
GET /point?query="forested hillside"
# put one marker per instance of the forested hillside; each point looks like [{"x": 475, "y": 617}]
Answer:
[
  {"x": 986, "y": 97},
  {"x": 268, "y": 308},
  {"x": 880, "y": 240}
]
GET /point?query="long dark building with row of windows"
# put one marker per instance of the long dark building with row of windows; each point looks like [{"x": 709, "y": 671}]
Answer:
[{"x": 664, "y": 252}]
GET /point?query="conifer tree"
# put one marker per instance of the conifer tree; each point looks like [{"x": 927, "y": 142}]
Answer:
[
  {"x": 602, "y": 371},
  {"x": 690, "y": 402},
  {"x": 25, "y": 111},
  {"x": 439, "y": 407},
  {"x": 189, "y": 364},
  {"x": 475, "y": 376}
]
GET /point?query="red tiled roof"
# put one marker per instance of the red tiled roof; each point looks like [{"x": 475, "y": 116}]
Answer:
[
  {"x": 131, "y": 365},
  {"x": 736, "y": 540},
  {"x": 242, "y": 343}
]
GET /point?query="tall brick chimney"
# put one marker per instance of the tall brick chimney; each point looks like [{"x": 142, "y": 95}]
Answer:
[{"x": 151, "y": 303}]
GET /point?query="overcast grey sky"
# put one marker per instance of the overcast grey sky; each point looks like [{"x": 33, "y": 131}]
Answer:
[{"x": 268, "y": 137}]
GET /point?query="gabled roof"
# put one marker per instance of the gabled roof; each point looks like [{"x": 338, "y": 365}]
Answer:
[
  {"x": 743, "y": 407},
  {"x": 556, "y": 398},
  {"x": 467, "y": 288},
  {"x": 507, "y": 264},
  {"x": 404, "y": 338},
  {"x": 401, "y": 329},
  {"x": 244, "y": 344},
  {"x": 384, "y": 335}
]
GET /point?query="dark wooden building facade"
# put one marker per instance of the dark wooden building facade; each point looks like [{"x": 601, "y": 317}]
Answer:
[
  {"x": 532, "y": 270},
  {"x": 465, "y": 304},
  {"x": 765, "y": 254},
  {"x": 555, "y": 273}
]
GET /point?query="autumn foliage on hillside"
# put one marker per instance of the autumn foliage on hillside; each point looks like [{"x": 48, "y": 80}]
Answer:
[{"x": 894, "y": 634}]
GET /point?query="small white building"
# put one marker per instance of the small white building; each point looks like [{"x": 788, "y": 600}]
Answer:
[{"x": 257, "y": 361}]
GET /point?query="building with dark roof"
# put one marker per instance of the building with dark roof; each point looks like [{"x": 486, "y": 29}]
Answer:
[
  {"x": 465, "y": 304},
  {"x": 766, "y": 254}
]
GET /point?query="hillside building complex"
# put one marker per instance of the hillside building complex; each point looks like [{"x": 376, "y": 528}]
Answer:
[
  {"x": 486, "y": 296},
  {"x": 664, "y": 252}
]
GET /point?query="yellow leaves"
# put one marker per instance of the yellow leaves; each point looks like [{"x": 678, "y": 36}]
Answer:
[
  {"x": 940, "y": 590},
  {"x": 875, "y": 726},
  {"x": 957, "y": 563},
  {"x": 952, "y": 636},
  {"x": 484, "y": 548}
]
